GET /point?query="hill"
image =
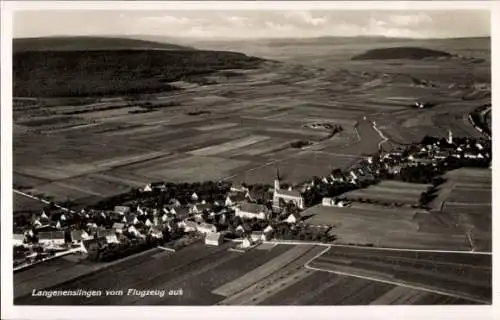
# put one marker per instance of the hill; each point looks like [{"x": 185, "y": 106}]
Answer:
[
  {"x": 413, "y": 53},
  {"x": 115, "y": 72},
  {"x": 88, "y": 43}
]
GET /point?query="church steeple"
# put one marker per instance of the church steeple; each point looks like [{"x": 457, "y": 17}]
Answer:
[
  {"x": 277, "y": 180},
  {"x": 450, "y": 137}
]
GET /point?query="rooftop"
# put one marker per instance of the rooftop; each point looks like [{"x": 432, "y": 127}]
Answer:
[
  {"x": 288, "y": 193},
  {"x": 252, "y": 207}
]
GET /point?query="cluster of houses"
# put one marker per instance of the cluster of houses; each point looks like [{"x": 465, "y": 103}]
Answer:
[
  {"x": 106, "y": 227},
  {"x": 399, "y": 158},
  {"x": 83, "y": 228}
]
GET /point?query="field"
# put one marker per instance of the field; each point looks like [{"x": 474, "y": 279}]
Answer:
[
  {"x": 369, "y": 224},
  {"x": 390, "y": 192},
  {"x": 236, "y": 127},
  {"x": 276, "y": 274},
  {"x": 462, "y": 275},
  {"x": 465, "y": 198},
  {"x": 26, "y": 204}
]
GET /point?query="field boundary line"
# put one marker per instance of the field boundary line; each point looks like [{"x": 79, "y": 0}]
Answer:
[
  {"x": 400, "y": 284},
  {"x": 42, "y": 200},
  {"x": 374, "y": 248}
]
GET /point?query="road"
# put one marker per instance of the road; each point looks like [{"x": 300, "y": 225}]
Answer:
[{"x": 384, "y": 138}]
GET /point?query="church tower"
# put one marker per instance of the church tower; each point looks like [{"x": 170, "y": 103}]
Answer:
[
  {"x": 277, "y": 180},
  {"x": 450, "y": 137}
]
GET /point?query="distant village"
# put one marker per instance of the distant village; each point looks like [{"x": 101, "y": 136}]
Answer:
[{"x": 173, "y": 215}]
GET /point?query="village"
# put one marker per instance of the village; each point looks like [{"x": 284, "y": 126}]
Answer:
[{"x": 171, "y": 215}]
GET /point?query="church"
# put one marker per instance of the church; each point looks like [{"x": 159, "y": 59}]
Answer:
[{"x": 286, "y": 195}]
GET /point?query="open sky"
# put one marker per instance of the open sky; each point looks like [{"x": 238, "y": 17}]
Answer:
[{"x": 255, "y": 24}]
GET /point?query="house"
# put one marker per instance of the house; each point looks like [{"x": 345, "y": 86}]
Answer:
[
  {"x": 470, "y": 155},
  {"x": 247, "y": 242},
  {"x": 148, "y": 223},
  {"x": 267, "y": 233},
  {"x": 109, "y": 234},
  {"x": 118, "y": 227},
  {"x": 50, "y": 238},
  {"x": 287, "y": 196},
  {"x": 44, "y": 216},
  {"x": 155, "y": 232},
  {"x": 328, "y": 202},
  {"x": 122, "y": 210},
  {"x": 238, "y": 188},
  {"x": 241, "y": 229},
  {"x": 36, "y": 223},
  {"x": 293, "y": 218},
  {"x": 213, "y": 239},
  {"x": 133, "y": 230},
  {"x": 130, "y": 219},
  {"x": 18, "y": 239},
  {"x": 337, "y": 177},
  {"x": 164, "y": 218},
  {"x": 140, "y": 211},
  {"x": 228, "y": 202},
  {"x": 441, "y": 155},
  {"x": 154, "y": 186},
  {"x": 174, "y": 202},
  {"x": 189, "y": 226},
  {"x": 93, "y": 244},
  {"x": 257, "y": 236},
  {"x": 78, "y": 236},
  {"x": 193, "y": 209},
  {"x": 247, "y": 210},
  {"x": 194, "y": 196},
  {"x": 206, "y": 228}
]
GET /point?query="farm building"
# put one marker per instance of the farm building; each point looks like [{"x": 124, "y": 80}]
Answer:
[
  {"x": 206, "y": 228},
  {"x": 213, "y": 239},
  {"x": 330, "y": 202},
  {"x": 247, "y": 242},
  {"x": 188, "y": 226},
  {"x": 118, "y": 227},
  {"x": 93, "y": 244},
  {"x": 78, "y": 236},
  {"x": 257, "y": 236},
  {"x": 122, "y": 209},
  {"x": 294, "y": 218},
  {"x": 241, "y": 229},
  {"x": 238, "y": 188},
  {"x": 155, "y": 232},
  {"x": 133, "y": 230},
  {"x": 51, "y": 238},
  {"x": 267, "y": 233},
  {"x": 109, "y": 234},
  {"x": 248, "y": 210},
  {"x": 18, "y": 239},
  {"x": 154, "y": 186},
  {"x": 287, "y": 196}
]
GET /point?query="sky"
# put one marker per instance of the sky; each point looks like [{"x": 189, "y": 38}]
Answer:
[{"x": 244, "y": 24}]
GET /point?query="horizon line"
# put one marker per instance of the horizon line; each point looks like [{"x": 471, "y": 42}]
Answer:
[{"x": 243, "y": 39}]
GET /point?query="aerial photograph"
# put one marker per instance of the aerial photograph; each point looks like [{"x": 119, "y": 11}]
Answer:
[{"x": 251, "y": 157}]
